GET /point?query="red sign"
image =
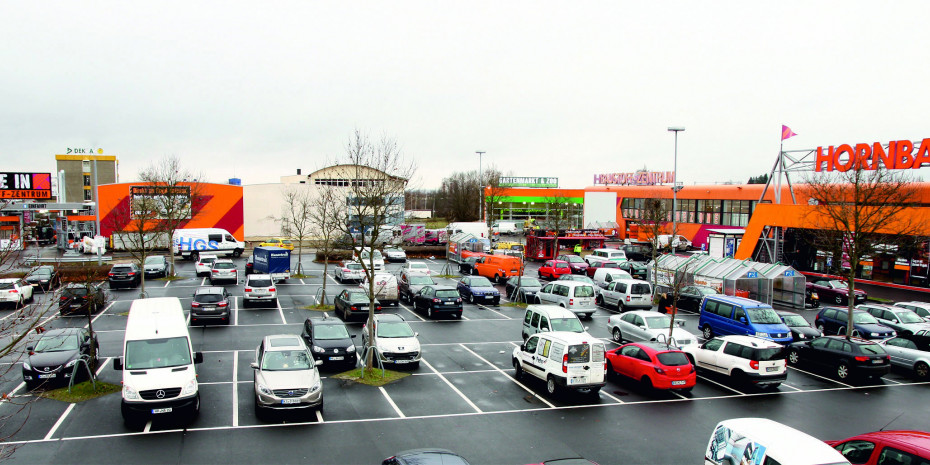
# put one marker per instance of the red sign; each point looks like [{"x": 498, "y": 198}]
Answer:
[
  {"x": 25, "y": 185},
  {"x": 899, "y": 155}
]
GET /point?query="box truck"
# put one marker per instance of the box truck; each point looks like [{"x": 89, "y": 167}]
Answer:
[{"x": 275, "y": 261}]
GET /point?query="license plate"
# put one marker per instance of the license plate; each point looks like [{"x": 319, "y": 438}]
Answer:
[
  {"x": 290, "y": 401},
  {"x": 209, "y": 308},
  {"x": 771, "y": 368},
  {"x": 577, "y": 380},
  {"x": 402, "y": 361},
  {"x": 161, "y": 410},
  {"x": 877, "y": 361},
  {"x": 337, "y": 358},
  {"x": 678, "y": 383},
  {"x": 52, "y": 375}
]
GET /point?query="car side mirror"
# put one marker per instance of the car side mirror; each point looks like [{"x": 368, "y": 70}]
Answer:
[
  {"x": 742, "y": 320},
  {"x": 29, "y": 348},
  {"x": 522, "y": 347},
  {"x": 118, "y": 363},
  {"x": 416, "y": 334},
  {"x": 679, "y": 323},
  {"x": 198, "y": 357},
  {"x": 318, "y": 363}
]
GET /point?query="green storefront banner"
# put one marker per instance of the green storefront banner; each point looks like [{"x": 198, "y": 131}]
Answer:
[{"x": 511, "y": 181}]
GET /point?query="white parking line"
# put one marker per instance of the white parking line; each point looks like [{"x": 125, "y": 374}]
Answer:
[
  {"x": 818, "y": 376},
  {"x": 411, "y": 311},
  {"x": 148, "y": 427},
  {"x": 235, "y": 311},
  {"x": 611, "y": 397},
  {"x": 390, "y": 401},
  {"x": 58, "y": 423},
  {"x": 443, "y": 378},
  {"x": 508, "y": 376},
  {"x": 722, "y": 385},
  {"x": 302, "y": 281},
  {"x": 791, "y": 387},
  {"x": 319, "y": 416},
  {"x": 281, "y": 312},
  {"x": 235, "y": 390},
  {"x": 893, "y": 381},
  {"x": 495, "y": 311}
]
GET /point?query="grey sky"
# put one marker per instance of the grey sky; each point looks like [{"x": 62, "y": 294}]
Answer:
[{"x": 568, "y": 89}]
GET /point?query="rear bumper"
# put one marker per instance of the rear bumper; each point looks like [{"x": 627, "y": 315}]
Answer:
[{"x": 761, "y": 379}]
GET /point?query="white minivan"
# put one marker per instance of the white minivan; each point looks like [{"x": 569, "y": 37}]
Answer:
[
  {"x": 604, "y": 276},
  {"x": 369, "y": 258},
  {"x": 627, "y": 294},
  {"x": 576, "y": 296},
  {"x": 760, "y": 441},
  {"x": 564, "y": 360},
  {"x": 158, "y": 363},
  {"x": 542, "y": 318},
  {"x": 386, "y": 288}
]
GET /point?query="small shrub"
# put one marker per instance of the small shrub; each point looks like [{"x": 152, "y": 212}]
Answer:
[{"x": 335, "y": 256}]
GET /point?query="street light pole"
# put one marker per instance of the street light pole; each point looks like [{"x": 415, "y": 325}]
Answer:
[
  {"x": 676, "y": 130},
  {"x": 481, "y": 189}
]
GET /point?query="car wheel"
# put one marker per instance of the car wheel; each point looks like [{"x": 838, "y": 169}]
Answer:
[
  {"x": 620, "y": 307},
  {"x": 842, "y": 370},
  {"x": 838, "y": 299},
  {"x": 617, "y": 337},
  {"x": 707, "y": 332},
  {"x": 551, "y": 387},
  {"x": 339, "y": 280},
  {"x": 539, "y": 273},
  {"x": 646, "y": 383},
  {"x": 471, "y": 298},
  {"x": 794, "y": 357},
  {"x": 599, "y": 300},
  {"x": 237, "y": 253},
  {"x": 518, "y": 370},
  {"x": 429, "y": 312},
  {"x": 922, "y": 371},
  {"x": 821, "y": 328}
]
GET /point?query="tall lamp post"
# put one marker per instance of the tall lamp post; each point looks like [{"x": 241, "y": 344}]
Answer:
[
  {"x": 676, "y": 130},
  {"x": 481, "y": 189}
]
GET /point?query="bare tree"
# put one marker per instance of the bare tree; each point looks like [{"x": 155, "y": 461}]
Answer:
[
  {"x": 459, "y": 197},
  {"x": 557, "y": 212},
  {"x": 492, "y": 194},
  {"x": 177, "y": 196},
  {"x": 377, "y": 174},
  {"x": 297, "y": 216},
  {"x": 859, "y": 209},
  {"x": 328, "y": 219},
  {"x": 136, "y": 227},
  {"x": 677, "y": 273},
  {"x": 654, "y": 221}
]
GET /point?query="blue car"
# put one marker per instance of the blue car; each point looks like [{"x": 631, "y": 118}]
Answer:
[
  {"x": 724, "y": 314},
  {"x": 833, "y": 320},
  {"x": 477, "y": 289}
]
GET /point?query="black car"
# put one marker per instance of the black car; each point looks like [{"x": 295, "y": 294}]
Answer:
[
  {"x": 51, "y": 362},
  {"x": 921, "y": 338},
  {"x": 81, "y": 297},
  {"x": 352, "y": 302},
  {"x": 636, "y": 269},
  {"x": 329, "y": 341},
  {"x": 853, "y": 358},
  {"x": 575, "y": 262},
  {"x": 833, "y": 320},
  {"x": 529, "y": 286},
  {"x": 467, "y": 266},
  {"x": 249, "y": 264},
  {"x": 639, "y": 252},
  {"x": 126, "y": 275},
  {"x": 156, "y": 266},
  {"x": 690, "y": 297},
  {"x": 438, "y": 299},
  {"x": 800, "y": 328},
  {"x": 210, "y": 303},
  {"x": 425, "y": 457},
  {"x": 411, "y": 283},
  {"x": 43, "y": 277}
]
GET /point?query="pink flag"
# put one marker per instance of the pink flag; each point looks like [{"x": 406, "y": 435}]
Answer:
[{"x": 786, "y": 132}]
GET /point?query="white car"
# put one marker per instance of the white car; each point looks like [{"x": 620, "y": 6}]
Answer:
[
  {"x": 679, "y": 242},
  {"x": 627, "y": 294},
  {"x": 644, "y": 325},
  {"x": 349, "y": 271},
  {"x": 396, "y": 342},
  {"x": 416, "y": 267},
  {"x": 747, "y": 360},
  {"x": 204, "y": 264},
  {"x": 259, "y": 288},
  {"x": 15, "y": 291},
  {"x": 395, "y": 254}
]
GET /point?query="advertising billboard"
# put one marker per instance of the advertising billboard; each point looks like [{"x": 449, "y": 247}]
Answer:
[{"x": 25, "y": 185}]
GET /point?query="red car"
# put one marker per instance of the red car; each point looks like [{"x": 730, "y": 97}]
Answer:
[
  {"x": 552, "y": 269},
  {"x": 594, "y": 266},
  {"x": 886, "y": 447},
  {"x": 653, "y": 364}
]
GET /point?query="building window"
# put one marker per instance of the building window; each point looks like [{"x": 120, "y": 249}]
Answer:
[
  {"x": 87, "y": 194},
  {"x": 87, "y": 180}
]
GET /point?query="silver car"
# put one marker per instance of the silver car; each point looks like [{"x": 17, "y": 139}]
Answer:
[
  {"x": 645, "y": 325},
  {"x": 904, "y": 321},
  {"x": 906, "y": 354},
  {"x": 259, "y": 288},
  {"x": 349, "y": 271},
  {"x": 285, "y": 375},
  {"x": 223, "y": 270}
]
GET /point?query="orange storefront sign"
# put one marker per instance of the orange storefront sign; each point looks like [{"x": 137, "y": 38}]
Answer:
[{"x": 899, "y": 155}]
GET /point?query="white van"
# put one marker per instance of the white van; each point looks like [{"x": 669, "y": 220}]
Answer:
[
  {"x": 189, "y": 243},
  {"x": 479, "y": 229},
  {"x": 605, "y": 255},
  {"x": 158, "y": 363},
  {"x": 576, "y": 296},
  {"x": 758, "y": 441},
  {"x": 627, "y": 294},
  {"x": 604, "y": 276},
  {"x": 370, "y": 257},
  {"x": 564, "y": 360},
  {"x": 386, "y": 288},
  {"x": 504, "y": 227},
  {"x": 542, "y": 318}
]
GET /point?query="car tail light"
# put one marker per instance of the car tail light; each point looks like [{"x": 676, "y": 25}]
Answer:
[
  {"x": 862, "y": 358},
  {"x": 13, "y": 291},
  {"x": 565, "y": 363},
  {"x": 627, "y": 298},
  {"x": 271, "y": 290},
  {"x": 199, "y": 263},
  {"x": 111, "y": 274},
  {"x": 248, "y": 289},
  {"x": 222, "y": 304},
  {"x": 438, "y": 301},
  {"x": 378, "y": 307},
  {"x": 754, "y": 364},
  {"x": 131, "y": 273},
  {"x": 571, "y": 301},
  {"x": 215, "y": 271},
  {"x": 459, "y": 300},
  {"x": 353, "y": 308},
  {"x": 659, "y": 370},
  {"x": 195, "y": 304},
  {"x": 62, "y": 298}
]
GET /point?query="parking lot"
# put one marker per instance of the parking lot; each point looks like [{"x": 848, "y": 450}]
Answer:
[{"x": 463, "y": 397}]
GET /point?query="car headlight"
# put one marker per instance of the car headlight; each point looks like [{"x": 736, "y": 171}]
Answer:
[
  {"x": 27, "y": 366},
  {"x": 350, "y": 349},
  {"x": 262, "y": 389},
  {"x": 129, "y": 393},
  {"x": 314, "y": 388},
  {"x": 758, "y": 334},
  {"x": 71, "y": 363},
  {"x": 801, "y": 336},
  {"x": 319, "y": 349},
  {"x": 190, "y": 388},
  {"x": 894, "y": 333}
]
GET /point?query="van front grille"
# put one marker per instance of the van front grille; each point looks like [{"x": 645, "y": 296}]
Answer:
[{"x": 159, "y": 394}]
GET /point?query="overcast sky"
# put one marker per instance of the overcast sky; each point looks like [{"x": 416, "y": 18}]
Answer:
[{"x": 256, "y": 90}]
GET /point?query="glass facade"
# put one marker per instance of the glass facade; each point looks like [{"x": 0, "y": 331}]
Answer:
[{"x": 716, "y": 212}]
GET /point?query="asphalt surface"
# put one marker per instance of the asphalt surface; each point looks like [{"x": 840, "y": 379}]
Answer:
[{"x": 463, "y": 397}]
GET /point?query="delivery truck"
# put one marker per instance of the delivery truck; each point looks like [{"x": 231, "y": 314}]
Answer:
[{"x": 275, "y": 261}]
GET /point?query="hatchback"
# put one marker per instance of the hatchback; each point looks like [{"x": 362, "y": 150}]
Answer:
[
  {"x": 395, "y": 341},
  {"x": 352, "y": 302},
  {"x": 922, "y": 309},
  {"x": 223, "y": 270},
  {"x": 210, "y": 304},
  {"x": 552, "y": 269},
  {"x": 477, "y": 289},
  {"x": 127, "y": 275},
  {"x": 15, "y": 291},
  {"x": 800, "y": 328},
  {"x": 528, "y": 287},
  {"x": 259, "y": 288},
  {"x": 416, "y": 267},
  {"x": 330, "y": 342},
  {"x": 833, "y": 320},
  {"x": 847, "y": 359},
  {"x": 904, "y": 321},
  {"x": 436, "y": 300},
  {"x": 203, "y": 264},
  {"x": 349, "y": 271},
  {"x": 907, "y": 355},
  {"x": 81, "y": 297},
  {"x": 886, "y": 447},
  {"x": 655, "y": 365},
  {"x": 44, "y": 278},
  {"x": 575, "y": 262},
  {"x": 285, "y": 375},
  {"x": 156, "y": 266}
]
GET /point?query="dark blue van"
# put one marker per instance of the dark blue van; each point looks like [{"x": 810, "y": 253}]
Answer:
[{"x": 724, "y": 314}]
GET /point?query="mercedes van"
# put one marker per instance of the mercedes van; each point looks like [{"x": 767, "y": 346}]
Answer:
[{"x": 158, "y": 363}]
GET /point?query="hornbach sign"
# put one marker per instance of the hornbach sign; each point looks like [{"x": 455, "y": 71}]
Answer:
[
  {"x": 639, "y": 178},
  {"x": 899, "y": 155}
]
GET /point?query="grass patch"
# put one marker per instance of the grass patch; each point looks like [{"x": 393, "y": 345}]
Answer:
[
  {"x": 514, "y": 304},
  {"x": 372, "y": 377},
  {"x": 171, "y": 278},
  {"x": 880, "y": 300},
  {"x": 448, "y": 276},
  {"x": 81, "y": 392},
  {"x": 123, "y": 314},
  {"x": 319, "y": 308},
  {"x": 302, "y": 276}
]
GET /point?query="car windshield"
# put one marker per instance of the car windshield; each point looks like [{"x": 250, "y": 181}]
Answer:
[
  {"x": 795, "y": 321},
  {"x": 59, "y": 343},
  {"x": 286, "y": 360},
  {"x": 573, "y": 259},
  {"x": 584, "y": 291},
  {"x": 394, "y": 329},
  {"x": 377, "y": 255},
  {"x": 157, "y": 353},
  {"x": 261, "y": 282},
  {"x": 567, "y": 324},
  {"x": 7, "y": 285},
  {"x": 223, "y": 266},
  {"x": 447, "y": 293},
  {"x": 658, "y": 321},
  {"x": 872, "y": 349},
  {"x": 41, "y": 273},
  {"x": 208, "y": 298},
  {"x": 528, "y": 282},
  {"x": 864, "y": 318},
  {"x": 480, "y": 282},
  {"x": 673, "y": 359},
  {"x": 325, "y": 332},
  {"x": 424, "y": 280},
  {"x": 837, "y": 284},
  {"x": 73, "y": 291},
  {"x": 763, "y": 316},
  {"x": 909, "y": 317},
  {"x": 121, "y": 269},
  {"x": 154, "y": 260},
  {"x": 354, "y": 266}
]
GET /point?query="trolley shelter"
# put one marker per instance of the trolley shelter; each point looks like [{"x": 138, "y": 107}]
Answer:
[
  {"x": 462, "y": 245},
  {"x": 728, "y": 276},
  {"x": 545, "y": 245},
  {"x": 788, "y": 285}
]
